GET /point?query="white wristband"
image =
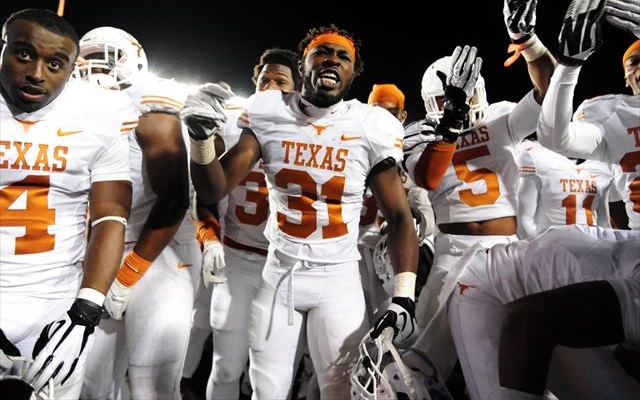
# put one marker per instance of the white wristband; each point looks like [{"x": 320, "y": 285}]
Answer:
[
  {"x": 404, "y": 285},
  {"x": 116, "y": 218},
  {"x": 534, "y": 50},
  {"x": 203, "y": 151},
  {"x": 92, "y": 295}
]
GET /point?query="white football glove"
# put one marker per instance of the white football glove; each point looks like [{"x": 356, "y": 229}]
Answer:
[
  {"x": 203, "y": 110},
  {"x": 459, "y": 87},
  {"x": 520, "y": 19},
  {"x": 401, "y": 316},
  {"x": 581, "y": 32},
  {"x": 417, "y": 135},
  {"x": 212, "y": 263},
  {"x": 117, "y": 299},
  {"x": 465, "y": 69},
  {"x": 61, "y": 350},
  {"x": 625, "y": 14}
]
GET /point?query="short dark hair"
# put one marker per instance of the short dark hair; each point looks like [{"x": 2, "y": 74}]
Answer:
[
  {"x": 47, "y": 19},
  {"x": 279, "y": 56},
  {"x": 358, "y": 65}
]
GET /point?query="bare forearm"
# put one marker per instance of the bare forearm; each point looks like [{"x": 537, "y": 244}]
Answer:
[{"x": 103, "y": 256}]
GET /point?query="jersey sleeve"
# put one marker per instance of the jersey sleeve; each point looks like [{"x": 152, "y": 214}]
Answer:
[
  {"x": 161, "y": 95},
  {"x": 525, "y": 159},
  {"x": 385, "y": 134}
]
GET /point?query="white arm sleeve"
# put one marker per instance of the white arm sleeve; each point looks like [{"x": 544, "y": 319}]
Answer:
[
  {"x": 602, "y": 211},
  {"x": 555, "y": 130},
  {"x": 528, "y": 191}
]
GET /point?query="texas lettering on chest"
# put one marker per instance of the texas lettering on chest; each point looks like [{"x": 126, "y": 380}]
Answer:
[{"x": 27, "y": 156}]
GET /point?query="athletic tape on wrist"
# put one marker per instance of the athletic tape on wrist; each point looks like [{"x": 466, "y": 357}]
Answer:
[
  {"x": 203, "y": 151},
  {"x": 534, "y": 50},
  {"x": 404, "y": 285},
  {"x": 207, "y": 229},
  {"x": 91, "y": 295},
  {"x": 531, "y": 50},
  {"x": 132, "y": 269},
  {"x": 116, "y": 218}
]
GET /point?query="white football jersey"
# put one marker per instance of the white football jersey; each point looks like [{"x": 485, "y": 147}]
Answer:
[
  {"x": 48, "y": 161},
  {"x": 316, "y": 169},
  {"x": 605, "y": 128},
  {"x": 248, "y": 202},
  {"x": 153, "y": 95},
  {"x": 480, "y": 183},
  {"x": 569, "y": 193}
]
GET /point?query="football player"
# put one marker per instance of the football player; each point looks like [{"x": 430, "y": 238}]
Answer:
[
  {"x": 239, "y": 263},
  {"x": 604, "y": 128},
  {"x": 318, "y": 152},
  {"x": 146, "y": 329},
  {"x": 560, "y": 256},
  {"x": 64, "y": 154},
  {"x": 557, "y": 190},
  {"x": 476, "y": 199}
]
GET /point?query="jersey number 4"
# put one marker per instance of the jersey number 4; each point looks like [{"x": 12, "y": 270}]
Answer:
[{"x": 35, "y": 217}]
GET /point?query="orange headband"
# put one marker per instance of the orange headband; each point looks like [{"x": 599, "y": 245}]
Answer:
[
  {"x": 386, "y": 92},
  {"x": 634, "y": 46},
  {"x": 333, "y": 38}
]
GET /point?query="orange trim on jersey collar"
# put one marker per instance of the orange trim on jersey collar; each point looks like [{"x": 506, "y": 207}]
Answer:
[
  {"x": 634, "y": 46},
  {"x": 333, "y": 38}
]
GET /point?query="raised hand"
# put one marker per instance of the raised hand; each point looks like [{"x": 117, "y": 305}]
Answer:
[
  {"x": 625, "y": 14},
  {"x": 203, "y": 111},
  {"x": 520, "y": 19},
  {"x": 61, "y": 350},
  {"x": 212, "y": 263},
  {"x": 459, "y": 87},
  {"x": 401, "y": 316},
  {"x": 465, "y": 69},
  {"x": 581, "y": 32}
]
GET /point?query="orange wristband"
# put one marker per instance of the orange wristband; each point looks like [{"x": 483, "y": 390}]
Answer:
[
  {"x": 433, "y": 164},
  {"x": 132, "y": 269},
  {"x": 206, "y": 230}
]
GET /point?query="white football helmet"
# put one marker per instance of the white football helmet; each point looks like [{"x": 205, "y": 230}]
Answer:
[
  {"x": 432, "y": 88},
  {"x": 111, "y": 57},
  {"x": 382, "y": 372},
  {"x": 382, "y": 264},
  {"x": 384, "y": 269},
  {"x": 12, "y": 369}
]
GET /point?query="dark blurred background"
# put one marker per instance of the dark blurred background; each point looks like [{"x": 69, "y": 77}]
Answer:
[{"x": 199, "y": 41}]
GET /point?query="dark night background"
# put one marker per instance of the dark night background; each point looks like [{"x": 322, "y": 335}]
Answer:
[{"x": 200, "y": 41}]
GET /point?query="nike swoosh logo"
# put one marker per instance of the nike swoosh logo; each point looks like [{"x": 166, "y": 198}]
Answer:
[
  {"x": 181, "y": 265},
  {"x": 346, "y": 137},
  {"x": 593, "y": 176},
  {"x": 67, "y": 133}
]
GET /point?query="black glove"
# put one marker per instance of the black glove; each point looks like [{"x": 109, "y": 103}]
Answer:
[
  {"x": 459, "y": 87},
  {"x": 203, "y": 110},
  {"x": 401, "y": 316},
  {"x": 581, "y": 32},
  {"x": 520, "y": 19},
  {"x": 61, "y": 350}
]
